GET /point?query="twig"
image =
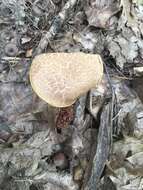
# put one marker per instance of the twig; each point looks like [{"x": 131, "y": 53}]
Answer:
[
  {"x": 55, "y": 27},
  {"x": 114, "y": 107}
]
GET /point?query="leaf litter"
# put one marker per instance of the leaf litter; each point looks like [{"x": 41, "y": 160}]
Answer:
[{"x": 102, "y": 147}]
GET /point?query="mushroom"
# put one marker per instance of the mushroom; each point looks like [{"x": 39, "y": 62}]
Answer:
[{"x": 60, "y": 78}]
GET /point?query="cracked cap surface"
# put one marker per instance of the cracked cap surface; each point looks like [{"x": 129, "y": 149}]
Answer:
[{"x": 60, "y": 78}]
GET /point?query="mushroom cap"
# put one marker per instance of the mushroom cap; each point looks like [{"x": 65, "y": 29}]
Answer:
[{"x": 60, "y": 78}]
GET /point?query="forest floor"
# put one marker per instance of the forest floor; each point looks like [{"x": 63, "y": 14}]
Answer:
[{"x": 102, "y": 149}]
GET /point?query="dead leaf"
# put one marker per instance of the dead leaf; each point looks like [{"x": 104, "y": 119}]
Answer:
[
  {"x": 127, "y": 12},
  {"x": 101, "y": 17}
]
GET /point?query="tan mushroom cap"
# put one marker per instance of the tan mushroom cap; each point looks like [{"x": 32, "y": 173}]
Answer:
[{"x": 60, "y": 78}]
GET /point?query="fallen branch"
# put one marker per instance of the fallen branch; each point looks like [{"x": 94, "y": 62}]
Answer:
[
  {"x": 55, "y": 27},
  {"x": 103, "y": 148}
]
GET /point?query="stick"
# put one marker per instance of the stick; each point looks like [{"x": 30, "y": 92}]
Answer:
[
  {"x": 103, "y": 148},
  {"x": 55, "y": 27}
]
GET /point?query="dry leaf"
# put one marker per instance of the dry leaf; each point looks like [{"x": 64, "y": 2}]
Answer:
[
  {"x": 101, "y": 16},
  {"x": 127, "y": 12}
]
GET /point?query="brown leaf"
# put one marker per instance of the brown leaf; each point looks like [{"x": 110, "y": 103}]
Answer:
[{"x": 101, "y": 17}]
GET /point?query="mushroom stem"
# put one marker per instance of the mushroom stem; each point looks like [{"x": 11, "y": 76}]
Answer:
[
  {"x": 60, "y": 117},
  {"x": 64, "y": 117},
  {"x": 51, "y": 116}
]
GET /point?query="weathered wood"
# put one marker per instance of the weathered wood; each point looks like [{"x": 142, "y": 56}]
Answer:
[
  {"x": 55, "y": 27},
  {"x": 103, "y": 148}
]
